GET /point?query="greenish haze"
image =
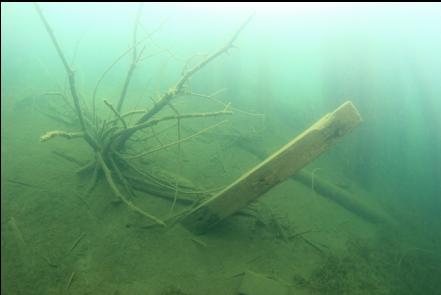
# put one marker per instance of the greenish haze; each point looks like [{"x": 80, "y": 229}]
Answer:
[{"x": 293, "y": 63}]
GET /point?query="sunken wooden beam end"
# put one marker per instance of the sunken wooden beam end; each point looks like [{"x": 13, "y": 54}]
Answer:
[
  {"x": 362, "y": 208},
  {"x": 276, "y": 168}
]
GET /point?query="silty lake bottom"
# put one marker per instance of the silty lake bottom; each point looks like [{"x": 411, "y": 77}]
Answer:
[{"x": 119, "y": 119}]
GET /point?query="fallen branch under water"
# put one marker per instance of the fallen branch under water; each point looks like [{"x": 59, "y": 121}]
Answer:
[{"x": 108, "y": 138}]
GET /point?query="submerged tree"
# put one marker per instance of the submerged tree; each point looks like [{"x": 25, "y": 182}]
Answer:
[{"x": 108, "y": 139}]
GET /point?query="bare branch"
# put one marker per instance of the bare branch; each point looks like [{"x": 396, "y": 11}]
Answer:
[
  {"x": 213, "y": 98},
  {"x": 135, "y": 59},
  {"x": 153, "y": 122},
  {"x": 162, "y": 147},
  {"x": 211, "y": 57},
  {"x": 58, "y": 133},
  {"x": 53, "y": 39},
  {"x": 168, "y": 51},
  {"x": 107, "y": 70},
  {"x": 71, "y": 77},
  {"x": 175, "y": 91},
  {"x": 119, "y": 117},
  {"x": 68, "y": 158},
  {"x": 109, "y": 178},
  {"x": 131, "y": 113}
]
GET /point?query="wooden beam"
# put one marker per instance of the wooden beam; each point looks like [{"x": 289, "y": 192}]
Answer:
[
  {"x": 363, "y": 208},
  {"x": 276, "y": 168},
  {"x": 368, "y": 211}
]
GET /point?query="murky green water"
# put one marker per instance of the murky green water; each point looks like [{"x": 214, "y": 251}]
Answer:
[{"x": 168, "y": 104}]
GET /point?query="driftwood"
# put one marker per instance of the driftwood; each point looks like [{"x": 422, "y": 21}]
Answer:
[
  {"x": 275, "y": 169},
  {"x": 109, "y": 139}
]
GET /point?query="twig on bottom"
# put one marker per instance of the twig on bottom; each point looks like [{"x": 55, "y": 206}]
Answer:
[
  {"x": 77, "y": 241},
  {"x": 199, "y": 242},
  {"x": 70, "y": 281}
]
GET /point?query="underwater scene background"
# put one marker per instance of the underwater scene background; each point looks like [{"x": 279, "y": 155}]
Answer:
[{"x": 64, "y": 230}]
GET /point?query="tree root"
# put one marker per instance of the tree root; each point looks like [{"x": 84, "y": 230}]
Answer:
[
  {"x": 110, "y": 181},
  {"x": 108, "y": 139}
]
